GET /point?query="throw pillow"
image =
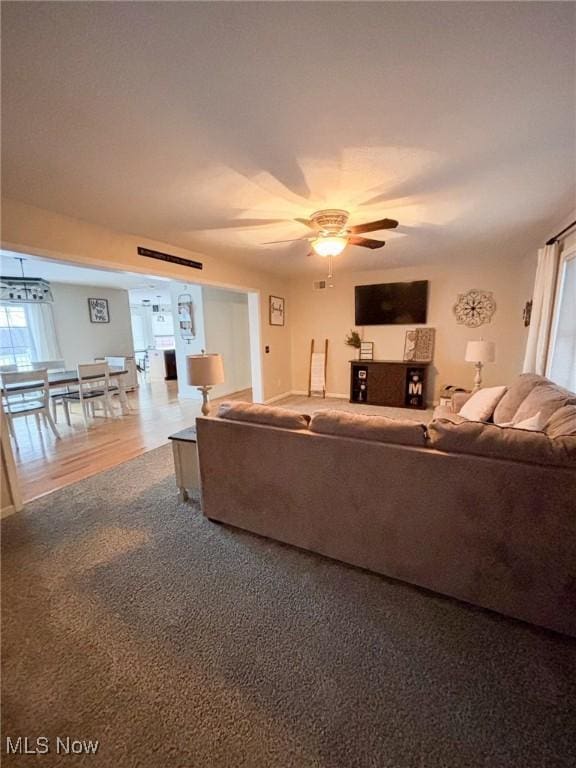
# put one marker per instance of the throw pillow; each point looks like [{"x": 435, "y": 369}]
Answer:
[
  {"x": 481, "y": 405},
  {"x": 533, "y": 424}
]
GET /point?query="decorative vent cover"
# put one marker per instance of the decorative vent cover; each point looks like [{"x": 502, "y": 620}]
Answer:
[{"x": 319, "y": 285}]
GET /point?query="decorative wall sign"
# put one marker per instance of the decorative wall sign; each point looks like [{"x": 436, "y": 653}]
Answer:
[
  {"x": 474, "y": 308},
  {"x": 276, "y": 310},
  {"x": 98, "y": 309},
  {"x": 366, "y": 350},
  {"x": 419, "y": 345},
  {"x": 169, "y": 258},
  {"x": 414, "y": 395},
  {"x": 527, "y": 314},
  {"x": 186, "y": 317}
]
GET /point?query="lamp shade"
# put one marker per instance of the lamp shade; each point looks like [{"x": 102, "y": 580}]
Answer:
[
  {"x": 205, "y": 370},
  {"x": 329, "y": 245},
  {"x": 480, "y": 352}
]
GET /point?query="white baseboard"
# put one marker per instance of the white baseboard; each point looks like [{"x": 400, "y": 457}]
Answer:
[
  {"x": 304, "y": 393},
  {"x": 278, "y": 397}
]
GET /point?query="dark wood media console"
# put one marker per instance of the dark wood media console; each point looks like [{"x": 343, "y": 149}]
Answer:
[{"x": 388, "y": 382}]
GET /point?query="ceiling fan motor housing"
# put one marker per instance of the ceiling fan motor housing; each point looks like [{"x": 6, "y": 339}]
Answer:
[{"x": 331, "y": 221}]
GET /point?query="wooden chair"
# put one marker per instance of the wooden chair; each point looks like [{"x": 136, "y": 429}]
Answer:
[
  {"x": 93, "y": 389},
  {"x": 26, "y": 393},
  {"x": 50, "y": 365}
]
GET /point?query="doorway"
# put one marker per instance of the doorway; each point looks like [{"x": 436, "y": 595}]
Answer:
[{"x": 143, "y": 321}]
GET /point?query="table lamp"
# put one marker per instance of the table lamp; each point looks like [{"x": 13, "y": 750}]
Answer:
[
  {"x": 479, "y": 352},
  {"x": 204, "y": 371}
]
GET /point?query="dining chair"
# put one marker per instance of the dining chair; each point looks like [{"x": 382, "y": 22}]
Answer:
[
  {"x": 27, "y": 393},
  {"x": 93, "y": 389},
  {"x": 50, "y": 365}
]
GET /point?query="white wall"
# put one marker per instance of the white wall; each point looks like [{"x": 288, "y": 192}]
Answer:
[
  {"x": 80, "y": 340},
  {"x": 227, "y": 332},
  {"x": 330, "y": 314}
]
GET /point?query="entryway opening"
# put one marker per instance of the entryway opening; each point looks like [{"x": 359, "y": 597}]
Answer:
[{"x": 146, "y": 324}]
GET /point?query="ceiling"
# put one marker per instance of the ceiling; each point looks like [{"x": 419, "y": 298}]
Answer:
[{"x": 212, "y": 125}]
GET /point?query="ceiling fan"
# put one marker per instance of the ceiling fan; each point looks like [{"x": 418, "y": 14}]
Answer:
[{"x": 332, "y": 235}]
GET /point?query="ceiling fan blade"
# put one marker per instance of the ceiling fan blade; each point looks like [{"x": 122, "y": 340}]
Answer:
[
  {"x": 293, "y": 240},
  {"x": 366, "y": 242},
  {"x": 374, "y": 226},
  {"x": 306, "y": 222}
]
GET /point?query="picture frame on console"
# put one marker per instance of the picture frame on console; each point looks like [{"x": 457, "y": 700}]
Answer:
[
  {"x": 419, "y": 345},
  {"x": 366, "y": 350}
]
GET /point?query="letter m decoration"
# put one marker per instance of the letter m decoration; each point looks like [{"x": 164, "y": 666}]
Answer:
[{"x": 13, "y": 747}]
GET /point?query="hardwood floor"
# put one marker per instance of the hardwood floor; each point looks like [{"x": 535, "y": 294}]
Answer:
[{"x": 45, "y": 464}]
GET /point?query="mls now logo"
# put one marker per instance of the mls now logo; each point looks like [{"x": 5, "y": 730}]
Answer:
[{"x": 24, "y": 745}]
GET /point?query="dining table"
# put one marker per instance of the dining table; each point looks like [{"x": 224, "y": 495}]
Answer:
[{"x": 60, "y": 379}]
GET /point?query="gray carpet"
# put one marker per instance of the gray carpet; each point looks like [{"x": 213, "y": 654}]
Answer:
[
  {"x": 130, "y": 619},
  {"x": 310, "y": 405}
]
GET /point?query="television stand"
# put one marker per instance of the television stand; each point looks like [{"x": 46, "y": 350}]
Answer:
[{"x": 395, "y": 383}]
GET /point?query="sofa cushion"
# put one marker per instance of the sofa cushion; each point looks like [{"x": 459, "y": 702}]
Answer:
[
  {"x": 263, "y": 414},
  {"x": 545, "y": 399},
  {"x": 562, "y": 422},
  {"x": 498, "y": 442},
  {"x": 378, "y": 428},
  {"x": 481, "y": 405},
  {"x": 446, "y": 412},
  {"x": 516, "y": 393}
]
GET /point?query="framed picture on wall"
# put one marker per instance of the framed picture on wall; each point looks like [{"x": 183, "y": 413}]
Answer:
[
  {"x": 98, "y": 309},
  {"x": 276, "y": 310}
]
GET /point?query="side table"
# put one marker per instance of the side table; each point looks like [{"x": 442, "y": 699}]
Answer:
[{"x": 185, "y": 453}]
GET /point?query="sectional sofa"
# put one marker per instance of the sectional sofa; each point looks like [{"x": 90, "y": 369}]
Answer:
[{"x": 476, "y": 511}]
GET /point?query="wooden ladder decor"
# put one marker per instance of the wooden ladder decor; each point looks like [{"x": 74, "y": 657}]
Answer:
[{"x": 317, "y": 371}]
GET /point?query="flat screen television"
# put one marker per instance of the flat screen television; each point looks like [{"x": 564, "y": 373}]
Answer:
[{"x": 392, "y": 303}]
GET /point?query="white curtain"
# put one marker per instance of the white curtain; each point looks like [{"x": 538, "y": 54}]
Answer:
[
  {"x": 542, "y": 306},
  {"x": 563, "y": 354},
  {"x": 40, "y": 321}
]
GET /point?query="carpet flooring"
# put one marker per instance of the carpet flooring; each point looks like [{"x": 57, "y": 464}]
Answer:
[
  {"x": 310, "y": 405},
  {"x": 130, "y": 619}
]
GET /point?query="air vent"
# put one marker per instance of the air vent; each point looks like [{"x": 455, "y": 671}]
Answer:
[{"x": 319, "y": 285}]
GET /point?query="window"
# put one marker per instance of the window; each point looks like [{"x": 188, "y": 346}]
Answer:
[
  {"x": 562, "y": 366},
  {"x": 16, "y": 346}
]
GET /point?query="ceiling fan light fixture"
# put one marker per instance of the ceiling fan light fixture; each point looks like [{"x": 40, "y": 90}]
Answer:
[{"x": 330, "y": 245}]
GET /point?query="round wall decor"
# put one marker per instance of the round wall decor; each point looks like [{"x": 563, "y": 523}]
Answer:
[{"x": 474, "y": 308}]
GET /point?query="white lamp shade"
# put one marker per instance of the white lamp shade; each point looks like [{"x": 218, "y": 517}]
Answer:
[
  {"x": 329, "y": 246},
  {"x": 205, "y": 370},
  {"x": 480, "y": 352}
]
